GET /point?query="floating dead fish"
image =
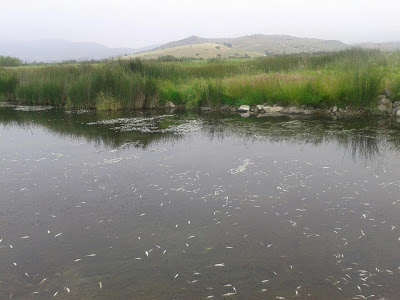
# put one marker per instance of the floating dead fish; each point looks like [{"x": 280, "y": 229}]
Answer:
[
  {"x": 43, "y": 281},
  {"x": 228, "y": 294},
  {"x": 100, "y": 285},
  {"x": 219, "y": 265},
  {"x": 91, "y": 255},
  {"x": 79, "y": 259},
  {"x": 58, "y": 234},
  {"x": 25, "y": 237},
  {"x": 176, "y": 276}
]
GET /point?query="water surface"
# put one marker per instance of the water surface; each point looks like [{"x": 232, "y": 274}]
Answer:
[{"x": 145, "y": 205}]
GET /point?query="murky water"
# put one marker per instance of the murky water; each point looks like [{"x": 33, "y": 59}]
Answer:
[{"x": 197, "y": 206}]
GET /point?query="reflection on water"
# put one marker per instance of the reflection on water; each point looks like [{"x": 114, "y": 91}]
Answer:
[{"x": 144, "y": 205}]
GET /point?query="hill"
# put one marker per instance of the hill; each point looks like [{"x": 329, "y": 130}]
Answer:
[
  {"x": 60, "y": 50},
  {"x": 203, "y": 50},
  {"x": 266, "y": 44}
]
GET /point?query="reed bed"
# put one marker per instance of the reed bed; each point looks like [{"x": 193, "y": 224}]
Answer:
[{"x": 346, "y": 78}]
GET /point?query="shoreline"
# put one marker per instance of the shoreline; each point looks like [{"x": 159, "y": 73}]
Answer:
[{"x": 392, "y": 110}]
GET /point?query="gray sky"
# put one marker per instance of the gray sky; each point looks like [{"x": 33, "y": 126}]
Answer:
[{"x": 137, "y": 23}]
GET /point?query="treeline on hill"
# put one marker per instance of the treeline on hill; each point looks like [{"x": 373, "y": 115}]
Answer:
[
  {"x": 8, "y": 61},
  {"x": 347, "y": 78}
]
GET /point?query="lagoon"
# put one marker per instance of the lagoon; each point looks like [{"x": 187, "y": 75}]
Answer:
[{"x": 156, "y": 205}]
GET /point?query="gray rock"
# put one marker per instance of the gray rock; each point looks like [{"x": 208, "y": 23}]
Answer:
[
  {"x": 293, "y": 110},
  {"x": 397, "y": 114},
  {"x": 256, "y": 110},
  {"x": 169, "y": 104},
  {"x": 246, "y": 114},
  {"x": 206, "y": 108},
  {"x": 274, "y": 109},
  {"x": 244, "y": 108},
  {"x": 260, "y": 107},
  {"x": 396, "y": 105},
  {"x": 334, "y": 109},
  {"x": 384, "y": 104}
]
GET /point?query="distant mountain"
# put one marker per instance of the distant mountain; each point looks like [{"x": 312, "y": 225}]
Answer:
[
  {"x": 60, "y": 50},
  {"x": 265, "y": 44}
]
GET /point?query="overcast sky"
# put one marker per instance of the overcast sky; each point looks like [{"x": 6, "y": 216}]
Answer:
[{"x": 137, "y": 23}]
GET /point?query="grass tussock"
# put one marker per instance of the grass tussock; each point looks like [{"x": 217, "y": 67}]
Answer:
[{"x": 353, "y": 77}]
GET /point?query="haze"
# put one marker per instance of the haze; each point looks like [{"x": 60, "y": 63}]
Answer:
[{"x": 124, "y": 23}]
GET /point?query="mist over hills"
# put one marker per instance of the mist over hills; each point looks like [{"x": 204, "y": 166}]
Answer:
[{"x": 54, "y": 50}]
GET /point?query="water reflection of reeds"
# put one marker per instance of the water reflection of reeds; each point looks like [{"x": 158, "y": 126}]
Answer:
[{"x": 363, "y": 139}]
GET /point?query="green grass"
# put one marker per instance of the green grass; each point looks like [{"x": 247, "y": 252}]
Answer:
[{"x": 346, "y": 78}]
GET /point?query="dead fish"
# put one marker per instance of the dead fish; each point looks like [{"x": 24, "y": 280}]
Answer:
[
  {"x": 190, "y": 237},
  {"x": 67, "y": 289},
  {"x": 78, "y": 259},
  {"x": 176, "y": 276},
  {"x": 228, "y": 247},
  {"x": 191, "y": 282},
  {"x": 147, "y": 253},
  {"x": 55, "y": 294},
  {"x": 43, "y": 281},
  {"x": 58, "y": 234},
  {"x": 266, "y": 280},
  {"x": 164, "y": 252},
  {"x": 219, "y": 265},
  {"x": 91, "y": 255},
  {"x": 100, "y": 285},
  {"x": 25, "y": 237},
  {"x": 137, "y": 258},
  {"x": 228, "y": 294}
]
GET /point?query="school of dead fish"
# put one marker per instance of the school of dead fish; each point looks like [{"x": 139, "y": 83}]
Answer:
[{"x": 349, "y": 276}]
